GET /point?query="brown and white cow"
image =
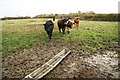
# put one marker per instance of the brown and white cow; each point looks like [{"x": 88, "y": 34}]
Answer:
[{"x": 69, "y": 25}]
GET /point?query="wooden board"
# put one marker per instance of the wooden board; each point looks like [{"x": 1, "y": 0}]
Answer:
[{"x": 48, "y": 66}]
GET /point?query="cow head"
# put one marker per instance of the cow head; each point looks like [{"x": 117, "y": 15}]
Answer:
[{"x": 48, "y": 23}]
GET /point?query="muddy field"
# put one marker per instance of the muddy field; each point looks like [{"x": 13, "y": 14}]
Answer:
[{"x": 101, "y": 64}]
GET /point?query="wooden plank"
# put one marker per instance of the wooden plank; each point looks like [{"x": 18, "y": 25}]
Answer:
[{"x": 48, "y": 66}]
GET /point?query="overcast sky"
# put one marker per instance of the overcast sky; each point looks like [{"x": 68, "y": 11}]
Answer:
[{"x": 35, "y": 7}]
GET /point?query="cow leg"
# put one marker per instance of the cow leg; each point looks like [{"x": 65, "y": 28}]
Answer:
[
  {"x": 68, "y": 30},
  {"x": 50, "y": 35},
  {"x": 63, "y": 29},
  {"x": 59, "y": 30},
  {"x": 77, "y": 24},
  {"x": 48, "y": 32}
]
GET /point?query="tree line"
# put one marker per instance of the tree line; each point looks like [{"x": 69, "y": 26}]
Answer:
[
  {"x": 11, "y": 18},
  {"x": 83, "y": 16}
]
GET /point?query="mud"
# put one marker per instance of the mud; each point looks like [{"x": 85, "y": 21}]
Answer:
[{"x": 101, "y": 64}]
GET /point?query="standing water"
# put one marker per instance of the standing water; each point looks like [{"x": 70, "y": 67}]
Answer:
[{"x": 107, "y": 63}]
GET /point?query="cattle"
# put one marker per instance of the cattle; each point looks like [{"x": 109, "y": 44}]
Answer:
[
  {"x": 49, "y": 26},
  {"x": 69, "y": 25},
  {"x": 62, "y": 25},
  {"x": 65, "y": 24},
  {"x": 76, "y": 21}
]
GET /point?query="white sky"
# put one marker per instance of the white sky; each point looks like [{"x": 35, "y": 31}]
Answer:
[{"x": 35, "y": 7}]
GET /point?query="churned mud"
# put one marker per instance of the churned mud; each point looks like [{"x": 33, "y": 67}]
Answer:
[{"x": 81, "y": 64}]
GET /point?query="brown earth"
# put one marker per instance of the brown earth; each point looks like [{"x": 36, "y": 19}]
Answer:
[{"x": 100, "y": 64}]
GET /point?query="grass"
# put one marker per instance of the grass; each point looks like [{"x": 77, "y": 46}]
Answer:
[{"x": 18, "y": 34}]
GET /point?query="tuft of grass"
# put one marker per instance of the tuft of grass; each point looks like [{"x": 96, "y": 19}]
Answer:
[{"x": 17, "y": 40}]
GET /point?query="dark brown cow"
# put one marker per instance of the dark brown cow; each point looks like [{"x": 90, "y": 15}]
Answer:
[
  {"x": 65, "y": 24},
  {"x": 62, "y": 25}
]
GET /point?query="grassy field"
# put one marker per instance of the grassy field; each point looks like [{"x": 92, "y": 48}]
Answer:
[{"x": 18, "y": 34}]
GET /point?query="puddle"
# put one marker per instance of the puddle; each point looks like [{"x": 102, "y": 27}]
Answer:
[{"x": 107, "y": 62}]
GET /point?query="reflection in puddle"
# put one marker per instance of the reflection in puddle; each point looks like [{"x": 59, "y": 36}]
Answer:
[{"x": 107, "y": 62}]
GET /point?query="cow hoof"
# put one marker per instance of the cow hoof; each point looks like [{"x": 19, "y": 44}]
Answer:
[{"x": 68, "y": 31}]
